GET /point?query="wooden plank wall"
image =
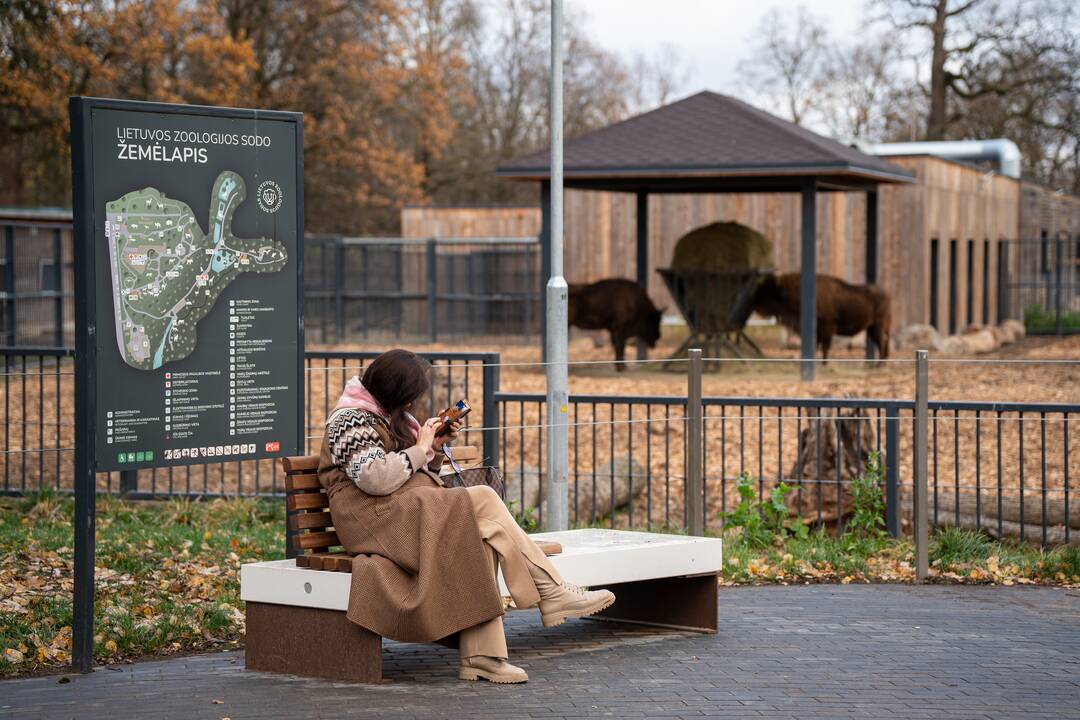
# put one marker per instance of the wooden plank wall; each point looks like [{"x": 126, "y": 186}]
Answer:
[
  {"x": 1044, "y": 210},
  {"x": 950, "y": 200},
  {"x": 954, "y": 203}
]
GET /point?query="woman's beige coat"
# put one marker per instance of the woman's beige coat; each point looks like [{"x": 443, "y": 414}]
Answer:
[{"x": 422, "y": 571}]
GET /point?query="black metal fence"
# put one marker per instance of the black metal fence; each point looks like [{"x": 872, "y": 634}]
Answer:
[
  {"x": 38, "y": 449},
  {"x": 359, "y": 289},
  {"x": 1005, "y": 468},
  {"x": 1040, "y": 282},
  {"x": 36, "y": 281},
  {"x": 355, "y": 289}
]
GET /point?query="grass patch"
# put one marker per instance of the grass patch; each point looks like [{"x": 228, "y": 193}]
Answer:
[
  {"x": 166, "y": 575},
  {"x": 956, "y": 556},
  {"x": 957, "y": 545}
]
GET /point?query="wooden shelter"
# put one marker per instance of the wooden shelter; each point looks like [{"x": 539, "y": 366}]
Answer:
[{"x": 710, "y": 143}]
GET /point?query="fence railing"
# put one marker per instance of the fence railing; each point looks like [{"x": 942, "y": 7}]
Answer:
[
  {"x": 36, "y": 281},
  {"x": 421, "y": 289},
  {"x": 1041, "y": 283},
  {"x": 1003, "y": 467},
  {"x": 38, "y": 449},
  {"x": 355, "y": 289}
]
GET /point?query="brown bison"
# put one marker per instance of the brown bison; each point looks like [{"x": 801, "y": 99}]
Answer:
[
  {"x": 619, "y": 306},
  {"x": 842, "y": 308}
]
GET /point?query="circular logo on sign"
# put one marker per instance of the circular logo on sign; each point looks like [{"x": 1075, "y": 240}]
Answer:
[{"x": 269, "y": 196}]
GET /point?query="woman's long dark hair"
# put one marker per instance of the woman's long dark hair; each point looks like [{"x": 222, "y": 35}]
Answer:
[{"x": 397, "y": 378}]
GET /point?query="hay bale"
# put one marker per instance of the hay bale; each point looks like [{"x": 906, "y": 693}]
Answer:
[
  {"x": 722, "y": 246},
  {"x": 713, "y": 264}
]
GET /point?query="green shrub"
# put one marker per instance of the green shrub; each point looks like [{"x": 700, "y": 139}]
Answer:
[
  {"x": 867, "y": 523},
  {"x": 763, "y": 522},
  {"x": 1038, "y": 319},
  {"x": 525, "y": 517}
]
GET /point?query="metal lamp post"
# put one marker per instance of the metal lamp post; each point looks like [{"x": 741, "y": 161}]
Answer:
[{"x": 557, "y": 498}]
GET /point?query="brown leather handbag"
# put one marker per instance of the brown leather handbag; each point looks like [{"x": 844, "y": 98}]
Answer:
[{"x": 468, "y": 477}]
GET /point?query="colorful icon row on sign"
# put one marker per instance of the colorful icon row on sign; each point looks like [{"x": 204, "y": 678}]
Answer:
[{"x": 130, "y": 457}]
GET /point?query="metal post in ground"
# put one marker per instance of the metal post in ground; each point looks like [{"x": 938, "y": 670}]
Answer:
[
  {"x": 695, "y": 488},
  {"x": 339, "y": 290},
  {"x": 9, "y": 285},
  {"x": 892, "y": 470},
  {"x": 58, "y": 287},
  {"x": 1058, "y": 262},
  {"x": 491, "y": 408},
  {"x": 432, "y": 292},
  {"x": 557, "y": 395},
  {"x": 919, "y": 476},
  {"x": 129, "y": 481}
]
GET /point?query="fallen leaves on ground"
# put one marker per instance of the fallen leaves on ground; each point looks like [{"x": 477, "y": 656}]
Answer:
[{"x": 176, "y": 590}]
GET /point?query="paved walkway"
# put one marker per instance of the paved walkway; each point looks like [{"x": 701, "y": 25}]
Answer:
[{"x": 782, "y": 652}]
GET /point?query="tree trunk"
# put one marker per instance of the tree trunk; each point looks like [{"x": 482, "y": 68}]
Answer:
[
  {"x": 935, "y": 123},
  {"x": 832, "y": 452}
]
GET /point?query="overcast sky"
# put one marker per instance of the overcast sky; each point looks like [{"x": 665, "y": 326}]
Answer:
[{"x": 713, "y": 35}]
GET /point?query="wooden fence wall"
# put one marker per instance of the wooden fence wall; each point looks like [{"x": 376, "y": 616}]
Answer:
[{"x": 950, "y": 201}]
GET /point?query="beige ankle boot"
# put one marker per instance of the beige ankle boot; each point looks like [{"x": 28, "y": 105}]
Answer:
[
  {"x": 559, "y": 601},
  {"x": 496, "y": 670}
]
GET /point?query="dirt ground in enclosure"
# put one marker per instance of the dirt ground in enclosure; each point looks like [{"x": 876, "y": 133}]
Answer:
[
  {"x": 760, "y": 442},
  {"x": 964, "y": 454},
  {"x": 975, "y": 378}
]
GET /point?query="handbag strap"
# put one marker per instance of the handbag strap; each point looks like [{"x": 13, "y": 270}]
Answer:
[{"x": 453, "y": 462}]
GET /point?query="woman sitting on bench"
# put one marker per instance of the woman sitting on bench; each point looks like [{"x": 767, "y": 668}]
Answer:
[{"x": 425, "y": 568}]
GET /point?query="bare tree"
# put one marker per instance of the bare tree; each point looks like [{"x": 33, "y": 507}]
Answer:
[
  {"x": 789, "y": 65},
  {"x": 864, "y": 87},
  {"x": 507, "y": 49},
  {"x": 657, "y": 77}
]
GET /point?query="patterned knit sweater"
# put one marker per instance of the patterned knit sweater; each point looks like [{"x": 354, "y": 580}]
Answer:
[{"x": 358, "y": 448}]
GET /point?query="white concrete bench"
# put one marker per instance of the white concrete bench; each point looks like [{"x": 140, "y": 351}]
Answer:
[{"x": 296, "y": 615}]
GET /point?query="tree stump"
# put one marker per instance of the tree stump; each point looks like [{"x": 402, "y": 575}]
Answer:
[{"x": 842, "y": 438}]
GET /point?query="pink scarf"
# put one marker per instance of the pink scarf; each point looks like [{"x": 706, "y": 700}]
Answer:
[{"x": 356, "y": 396}]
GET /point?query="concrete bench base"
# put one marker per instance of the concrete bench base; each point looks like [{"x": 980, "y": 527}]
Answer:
[{"x": 296, "y": 616}]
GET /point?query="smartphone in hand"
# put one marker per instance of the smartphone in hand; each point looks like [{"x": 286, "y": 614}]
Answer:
[{"x": 454, "y": 413}]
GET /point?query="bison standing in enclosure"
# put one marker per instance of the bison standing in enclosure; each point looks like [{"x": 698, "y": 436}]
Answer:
[
  {"x": 842, "y": 308},
  {"x": 619, "y": 306}
]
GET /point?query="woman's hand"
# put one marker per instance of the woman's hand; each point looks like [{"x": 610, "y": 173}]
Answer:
[
  {"x": 425, "y": 439},
  {"x": 447, "y": 438}
]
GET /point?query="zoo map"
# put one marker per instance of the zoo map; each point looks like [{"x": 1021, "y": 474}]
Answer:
[{"x": 167, "y": 274}]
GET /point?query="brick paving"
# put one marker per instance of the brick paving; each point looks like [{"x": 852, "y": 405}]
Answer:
[{"x": 783, "y": 652}]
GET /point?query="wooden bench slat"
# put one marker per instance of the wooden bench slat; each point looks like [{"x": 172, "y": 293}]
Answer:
[
  {"x": 307, "y": 501},
  {"x": 328, "y": 561},
  {"x": 311, "y": 540},
  {"x": 305, "y": 481},
  {"x": 310, "y": 521},
  {"x": 300, "y": 463}
]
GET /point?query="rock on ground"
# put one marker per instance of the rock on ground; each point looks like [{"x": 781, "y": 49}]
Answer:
[{"x": 917, "y": 337}]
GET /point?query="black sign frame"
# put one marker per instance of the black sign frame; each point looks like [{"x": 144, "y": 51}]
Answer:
[{"x": 86, "y": 328}]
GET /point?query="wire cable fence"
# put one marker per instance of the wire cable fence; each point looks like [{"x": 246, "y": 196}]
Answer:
[{"x": 1006, "y": 468}]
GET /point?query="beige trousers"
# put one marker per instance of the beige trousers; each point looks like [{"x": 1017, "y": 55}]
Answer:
[{"x": 514, "y": 551}]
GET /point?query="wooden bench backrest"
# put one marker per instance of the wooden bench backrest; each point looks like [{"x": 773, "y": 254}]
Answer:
[{"x": 307, "y": 507}]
